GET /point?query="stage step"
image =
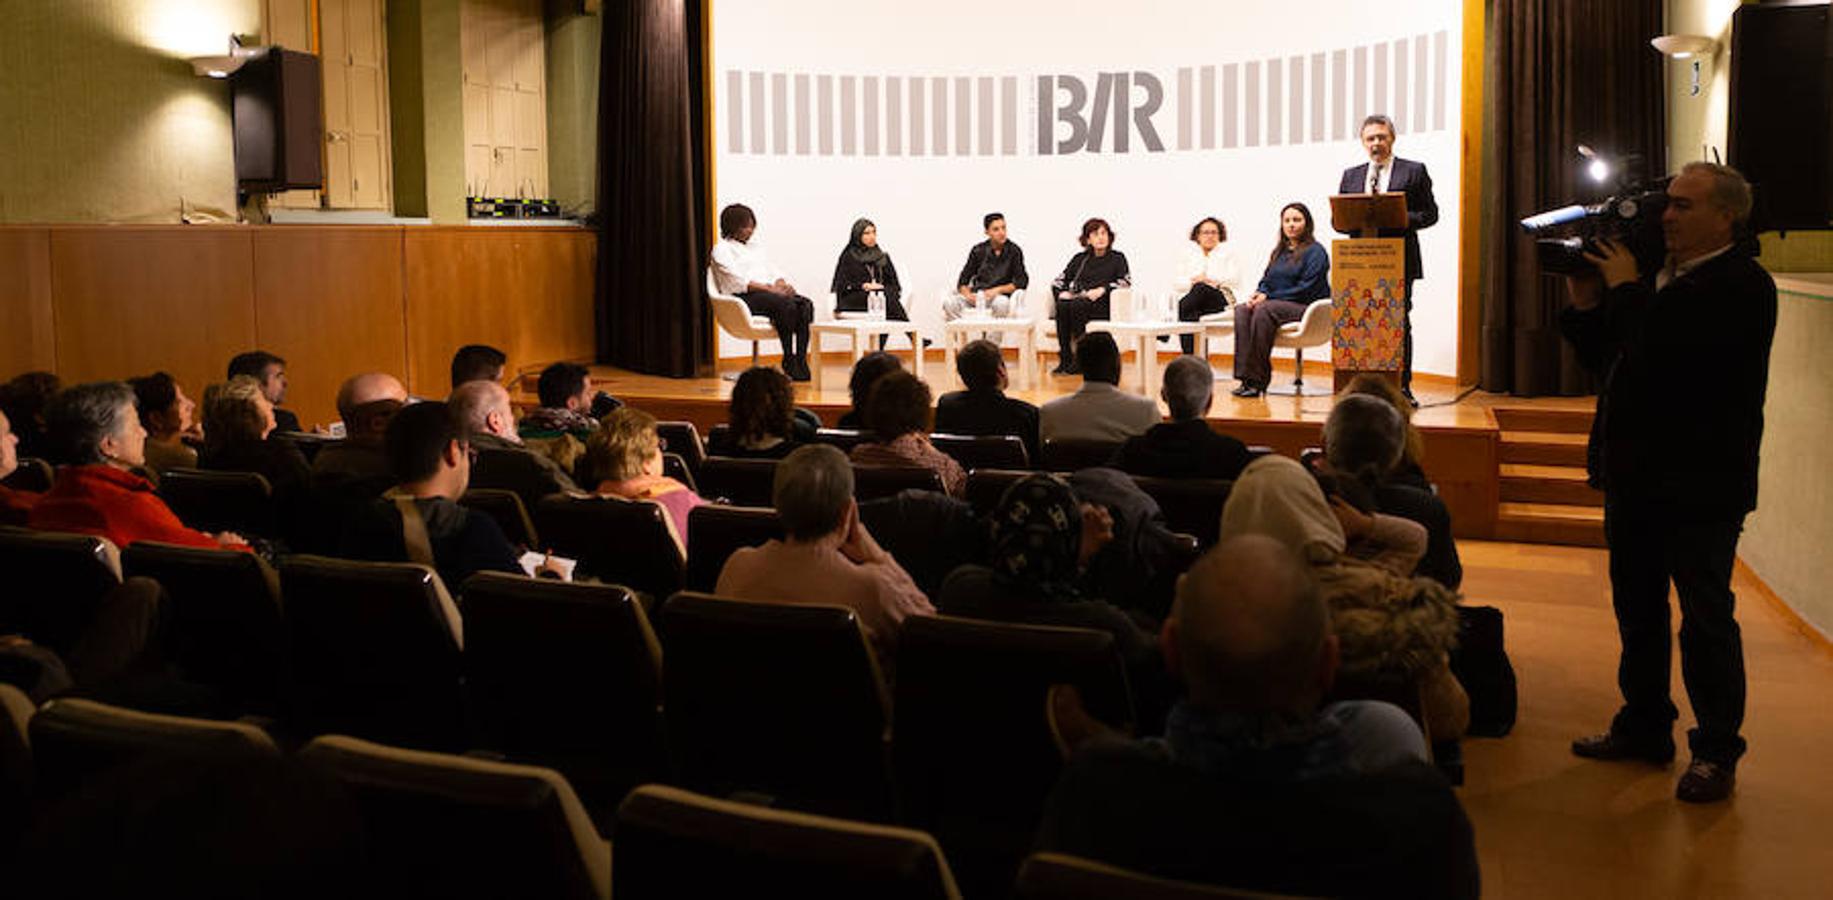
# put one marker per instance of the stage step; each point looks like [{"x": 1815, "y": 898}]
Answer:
[
  {"x": 1542, "y": 448},
  {"x": 1524, "y": 483},
  {"x": 1557, "y": 421},
  {"x": 1551, "y": 523}
]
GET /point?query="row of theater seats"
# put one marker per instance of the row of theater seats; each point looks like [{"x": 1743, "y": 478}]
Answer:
[{"x": 439, "y": 824}]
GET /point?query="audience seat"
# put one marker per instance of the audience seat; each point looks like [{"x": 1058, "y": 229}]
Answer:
[
  {"x": 986, "y": 486},
  {"x": 506, "y": 508},
  {"x": 844, "y": 438},
  {"x": 873, "y": 482},
  {"x": 740, "y": 482},
  {"x": 223, "y": 626},
  {"x": 242, "y": 502},
  {"x": 1059, "y": 876},
  {"x": 308, "y": 443},
  {"x": 1072, "y": 454},
  {"x": 782, "y": 702},
  {"x": 684, "y": 439},
  {"x": 675, "y": 467},
  {"x": 567, "y": 676},
  {"x": 1191, "y": 505},
  {"x": 33, "y": 475},
  {"x": 54, "y": 584},
  {"x": 374, "y": 650},
  {"x": 440, "y": 825},
  {"x": 16, "y": 711},
  {"x": 673, "y": 843},
  {"x": 74, "y": 740},
  {"x": 715, "y": 530},
  {"x": 625, "y": 542},
  {"x": 983, "y": 451},
  {"x": 972, "y": 743}
]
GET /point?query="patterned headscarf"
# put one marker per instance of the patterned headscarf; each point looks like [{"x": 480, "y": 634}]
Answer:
[{"x": 1037, "y": 537}]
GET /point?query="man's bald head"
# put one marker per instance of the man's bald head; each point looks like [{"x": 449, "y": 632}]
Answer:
[
  {"x": 483, "y": 407},
  {"x": 1250, "y": 631},
  {"x": 366, "y": 402}
]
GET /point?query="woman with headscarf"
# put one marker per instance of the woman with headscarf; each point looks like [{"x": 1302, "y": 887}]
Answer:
[
  {"x": 863, "y": 268},
  {"x": 1389, "y": 626}
]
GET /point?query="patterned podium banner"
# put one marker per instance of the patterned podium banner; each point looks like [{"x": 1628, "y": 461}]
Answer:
[{"x": 1368, "y": 285}]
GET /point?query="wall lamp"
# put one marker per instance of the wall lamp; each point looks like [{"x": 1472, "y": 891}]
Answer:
[
  {"x": 1690, "y": 47},
  {"x": 223, "y": 66}
]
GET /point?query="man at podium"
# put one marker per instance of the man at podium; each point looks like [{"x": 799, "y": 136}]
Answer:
[{"x": 1386, "y": 173}]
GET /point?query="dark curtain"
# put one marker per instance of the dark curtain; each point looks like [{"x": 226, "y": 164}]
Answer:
[
  {"x": 1561, "y": 73},
  {"x": 652, "y": 189}
]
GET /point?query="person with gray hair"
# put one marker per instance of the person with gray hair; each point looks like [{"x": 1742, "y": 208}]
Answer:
[
  {"x": 502, "y": 460},
  {"x": 1678, "y": 467},
  {"x": 1365, "y": 440},
  {"x": 827, "y": 555},
  {"x": 1185, "y": 447},
  {"x": 101, "y": 443}
]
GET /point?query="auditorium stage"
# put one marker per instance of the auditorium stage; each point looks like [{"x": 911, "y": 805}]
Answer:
[{"x": 1464, "y": 438}]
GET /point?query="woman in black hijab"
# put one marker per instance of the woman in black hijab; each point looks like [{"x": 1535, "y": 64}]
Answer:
[{"x": 865, "y": 267}]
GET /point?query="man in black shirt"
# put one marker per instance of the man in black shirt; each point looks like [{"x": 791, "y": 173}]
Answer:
[
  {"x": 984, "y": 407},
  {"x": 1676, "y": 457},
  {"x": 995, "y": 270},
  {"x": 1185, "y": 447}
]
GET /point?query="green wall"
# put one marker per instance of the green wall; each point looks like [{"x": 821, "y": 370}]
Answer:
[{"x": 572, "y": 105}]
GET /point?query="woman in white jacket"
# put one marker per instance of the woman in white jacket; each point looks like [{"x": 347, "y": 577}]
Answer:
[{"x": 1208, "y": 275}]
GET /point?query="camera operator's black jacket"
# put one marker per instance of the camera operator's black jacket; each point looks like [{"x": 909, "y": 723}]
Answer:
[{"x": 1684, "y": 370}]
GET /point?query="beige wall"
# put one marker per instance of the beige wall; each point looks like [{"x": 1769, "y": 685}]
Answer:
[{"x": 572, "y": 104}]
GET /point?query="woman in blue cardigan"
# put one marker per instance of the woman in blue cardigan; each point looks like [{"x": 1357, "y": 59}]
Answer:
[{"x": 1298, "y": 272}]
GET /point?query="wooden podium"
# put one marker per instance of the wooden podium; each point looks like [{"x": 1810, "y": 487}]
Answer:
[{"x": 1368, "y": 283}]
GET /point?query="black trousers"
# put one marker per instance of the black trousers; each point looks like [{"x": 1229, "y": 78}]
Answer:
[
  {"x": 1073, "y": 317},
  {"x": 1255, "y": 328},
  {"x": 1651, "y": 544},
  {"x": 1201, "y": 301},
  {"x": 790, "y": 316},
  {"x": 1406, "y": 353}
]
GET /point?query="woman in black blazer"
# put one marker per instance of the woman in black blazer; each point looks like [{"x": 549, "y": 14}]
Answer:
[{"x": 1084, "y": 289}]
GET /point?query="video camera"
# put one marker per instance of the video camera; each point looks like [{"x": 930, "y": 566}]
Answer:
[{"x": 1631, "y": 217}]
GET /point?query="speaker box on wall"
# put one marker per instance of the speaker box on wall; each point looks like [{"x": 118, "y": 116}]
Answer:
[
  {"x": 276, "y": 100},
  {"x": 1780, "y": 119}
]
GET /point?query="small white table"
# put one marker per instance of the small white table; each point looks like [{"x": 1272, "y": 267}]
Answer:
[
  {"x": 1146, "y": 336},
  {"x": 860, "y": 332},
  {"x": 957, "y": 332}
]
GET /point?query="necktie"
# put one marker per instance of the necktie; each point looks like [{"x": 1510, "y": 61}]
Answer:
[{"x": 1374, "y": 179}]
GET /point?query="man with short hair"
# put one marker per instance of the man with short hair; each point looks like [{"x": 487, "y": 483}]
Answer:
[
  {"x": 1257, "y": 783},
  {"x": 995, "y": 270},
  {"x": 478, "y": 362},
  {"x": 559, "y": 429},
  {"x": 1100, "y": 411},
  {"x": 1676, "y": 456},
  {"x": 1385, "y": 173},
  {"x": 1185, "y": 447},
  {"x": 366, "y": 403},
  {"x": 270, "y": 370},
  {"x": 827, "y": 556},
  {"x": 984, "y": 407},
  {"x": 502, "y": 460}
]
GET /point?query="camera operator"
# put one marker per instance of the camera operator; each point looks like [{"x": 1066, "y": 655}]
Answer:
[{"x": 1684, "y": 358}]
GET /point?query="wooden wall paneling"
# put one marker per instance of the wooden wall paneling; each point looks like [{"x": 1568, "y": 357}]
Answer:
[
  {"x": 28, "y": 338},
  {"x": 1463, "y": 466},
  {"x": 131, "y": 300},
  {"x": 329, "y": 300}
]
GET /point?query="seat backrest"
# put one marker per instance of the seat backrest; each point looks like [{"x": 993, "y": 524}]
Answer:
[
  {"x": 1075, "y": 454},
  {"x": 506, "y": 508},
  {"x": 223, "y": 625},
  {"x": 986, "y": 486},
  {"x": 627, "y": 542},
  {"x": 53, "y": 583},
  {"x": 16, "y": 711},
  {"x": 441, "y": 825},
  {"x": 683, "y": 438},
  {"x": 674, "y": 843},
  {"x": 844, "y": 438},
  {"x": 306, "y": 442},
  {"x": 1059, "y": 876},
  {"x": 781, "y": 700},
  {"x": 1191, "y": 505},
  {"x": 74, "y": 740},
  {"x": 33, "y": 475},
  {"x": 715, "y": 531},
  {"x": 983, "y": 795},
  {"x": 242, "y": 502},
  {"x": 741, "y": 482},
  {"x": 567, "y": 675},
  {"x": 373, "y": 650},
  {"x": 675, "y": 467},
  {"x": 983, "y": 451},
  {"x": 873, "y": 482},
  {"x": 732, "y": 314},
  {"x": 1314, "y": 327}
]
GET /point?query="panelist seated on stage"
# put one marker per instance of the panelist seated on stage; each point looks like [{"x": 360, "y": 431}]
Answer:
[
  {"x": 1208, "y": 276},
  {"x": 1085, "y": 288},
  {"x": 995, "y": 270},
  {"x": 1298, "y": 272},
  {"x": 1385, "y": 173},
  {"x": 741, "y": 269},
  {"x": 984, "y": 408},
  {"x": 1100, "y": 411},
  {"x": 865, "y": 268},
  {"x": 1185, "y": 447},
  {"x": 503, "y": 461}
]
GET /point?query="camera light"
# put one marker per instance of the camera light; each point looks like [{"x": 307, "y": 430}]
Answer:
[{"x": 1599, "y": 170}]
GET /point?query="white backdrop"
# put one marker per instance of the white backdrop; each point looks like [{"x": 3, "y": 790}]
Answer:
[{"x": 826, "y": 110}]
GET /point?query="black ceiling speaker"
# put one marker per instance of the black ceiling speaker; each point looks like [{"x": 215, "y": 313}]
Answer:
[
  {"x": 1781, "y": 120},
  {"x": 276, "y": 99}
]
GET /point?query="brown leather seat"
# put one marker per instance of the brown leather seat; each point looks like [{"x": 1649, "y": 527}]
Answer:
[
  {"x": 54, "y": 583},
  {"x": 223, "y": 625},
  {"x": 1059, "y": 876},
  {"x": 740, "y": 482},
  {"x": 506, "y": 508},
  {"x": 16, "y": 711},
  {"x": 873, "y": 482},
  {"x": 1071, "y": 455},
  {"x": 983, "y": 451},
  {"x": 715, "y": 531},
  {"x": 208, "y": 500},
  {"x": 683, "y": 439},
  {"x": 627, "y": 542},
  {"x": 1191, "y": 505},
  {"x": 74, "y": 740},
  {"x": 33, "y": 475},
  {"x": 986, "y": 486}
]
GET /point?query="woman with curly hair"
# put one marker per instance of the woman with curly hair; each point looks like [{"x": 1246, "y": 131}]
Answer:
[
  {"x": 761, "y": 418},
  {"x": 897, "y": 412}
]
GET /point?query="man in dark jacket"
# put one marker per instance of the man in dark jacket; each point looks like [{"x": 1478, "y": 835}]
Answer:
[
  {"x": 502, "y": 461},
  {"x": 984, "y": 407},
  {"x": 1676, "y": 457},
  {"x": 1185, "y": 447}
]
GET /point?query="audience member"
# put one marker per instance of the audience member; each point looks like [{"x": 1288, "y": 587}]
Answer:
[
  {"x": 98, "y": 437},
  {"x": 1390, "y": 626},
  {"x": 499, "y": 459},
  {"x": 1256, "y": 783},
  {"x": 1100, "y": 411},
  {"x": 420, "y": 520},
  {"x": 741, "y": 268},
  {"x": 1409, "y": 471},
  {"x": 828, "y": 555},
  {"x": 559, "y": 429},
  {"x": 1185, "y": 447},
  {"x": 172, "y": 429},
  {"x": 984, "y": 407},
  {"x": 366, "y": 403},
  {"x": 626, "y": 454},
  {"x": 270, "y": 371},
  {"x": 929, "y": 533},
  {"x": 761, "y": 417},
  {"x": 1365, "y": 440},
  {"x": 237, "y": 422},
  {"x": 15, "y": 505},
  {"x": 1138, "y": 569},
  {"x": 23, "y": 399},
  {"x": 866, "y": 372},
  {"x": 897, "y": 414},
  {"x": 478, "y": 362}
]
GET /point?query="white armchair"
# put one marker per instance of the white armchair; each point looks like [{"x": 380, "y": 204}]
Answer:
[
  {"x": 1313, "y": 329},
  {"x": 736, "y": 319}
]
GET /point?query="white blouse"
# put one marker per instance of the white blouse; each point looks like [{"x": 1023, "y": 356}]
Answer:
[
  {"x": 1218, "y": 264},
  {"x": 736, "y": 266}
]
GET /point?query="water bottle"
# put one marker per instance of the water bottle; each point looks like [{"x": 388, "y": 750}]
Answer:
[{"x": 875, "y": 305}]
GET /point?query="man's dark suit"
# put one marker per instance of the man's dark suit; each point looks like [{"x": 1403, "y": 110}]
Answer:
[{"x": 1407, "y": 177}]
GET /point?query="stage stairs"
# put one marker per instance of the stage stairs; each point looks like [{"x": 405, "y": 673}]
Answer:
[{"x": 1544, "y": 497}]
